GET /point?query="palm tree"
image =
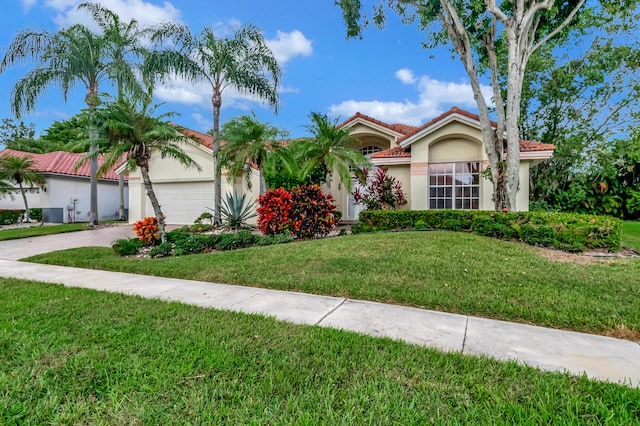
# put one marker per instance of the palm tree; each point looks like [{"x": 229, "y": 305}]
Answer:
[
  {"x": 243, "y": 62},
  {"x": 21, "y": 170},
  {"x": 248, "y": 141},
  {"x": 71, "y": 56},
  {"x": 329, "y": 149},
  {"x": 125, "y": 45},
  {"x": 134, "y": 132}
]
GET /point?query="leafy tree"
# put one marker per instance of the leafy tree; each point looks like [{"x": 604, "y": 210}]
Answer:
[
  {"x": 474, "y": 28},
  {"x": 22, "y": 171},
  {"x": 585, "y": 104},
  {"x": 132, "y": 130},
  {"x": 248, "y": 141},
  {"x": 66, "y": 135},
  {"x": 243, "y": 62},
  {"x": 329, "y": 149},
  {"x": 11, "y": 131}
]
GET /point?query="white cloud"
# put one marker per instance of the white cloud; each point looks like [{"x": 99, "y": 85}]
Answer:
[
  {"x": 289, "y": 45},
  {"x": 28, "y": 4},
  {"x": 204, "y": 124},
  {"x": 434, "y": 98},
  {"x": 405, "y": 75},
  {"x": 144, "y": 12}
]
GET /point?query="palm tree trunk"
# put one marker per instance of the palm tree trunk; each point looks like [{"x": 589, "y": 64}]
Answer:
[
  {"x": 26, "y": 205},
  {"x": 216, "y": 100},
  {"x": 91, "y": 101},
  {"x": 121, "y": 191},
  {"x": 154, "y": 202}
]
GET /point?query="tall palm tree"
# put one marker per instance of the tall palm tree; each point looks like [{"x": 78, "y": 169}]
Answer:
[
  {"x": 125, "y": 47},
  {"x": 243, "y": 62},
  {"x": 329, "y": 149},
  {"x": 75, "y": 55},
  {"x": 248, "y": 141},
  {"x": 23, "y": 171},
  {"x": 68, "y": 57},
  {"x": 134, "y": 132}
]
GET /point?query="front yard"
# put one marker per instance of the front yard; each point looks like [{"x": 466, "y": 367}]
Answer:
[
  {"x": 75, "y": 356},
  {"x": 445, "y": 271}
]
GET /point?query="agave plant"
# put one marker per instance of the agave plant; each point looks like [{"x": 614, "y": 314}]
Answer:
[{"x": 236, "y": 211}]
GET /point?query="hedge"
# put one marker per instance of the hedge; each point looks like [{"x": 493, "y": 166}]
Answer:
[{"x": 564, "y": 231}]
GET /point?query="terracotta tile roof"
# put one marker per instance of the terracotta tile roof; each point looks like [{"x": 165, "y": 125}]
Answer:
[
  {"x": 395, "y": 152},
  {"x": 525, "y": 146},
  {"x": 532, "y": 146},
  {"x": 202, "y": 138},
  {"x": 399, "y": 128},
  {"x": 61, "y": 163}
]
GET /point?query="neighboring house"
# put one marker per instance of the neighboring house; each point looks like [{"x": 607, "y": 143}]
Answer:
[
  {"x": 64, "y": 198},
  {"x": 438, "y": 164}
]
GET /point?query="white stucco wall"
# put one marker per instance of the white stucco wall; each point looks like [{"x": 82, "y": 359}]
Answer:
[{"x": 62, "y": 190}]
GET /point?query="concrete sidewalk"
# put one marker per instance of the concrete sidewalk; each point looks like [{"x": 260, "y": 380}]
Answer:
[{"x": 599, "y": 357}]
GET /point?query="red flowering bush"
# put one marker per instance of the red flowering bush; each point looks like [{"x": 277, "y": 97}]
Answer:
[
  {"x": 273, "y": 213},
  {"x": 147, "y": 230},
  {"x": 312, "y": 212},
  {"x": 379, "y": 191},
  {"x": 305, "y": 212}
]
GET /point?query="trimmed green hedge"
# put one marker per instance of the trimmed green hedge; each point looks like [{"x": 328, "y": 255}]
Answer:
[
  {"x": 564, "y": 231},
  {"x": 9, "y": 217}
]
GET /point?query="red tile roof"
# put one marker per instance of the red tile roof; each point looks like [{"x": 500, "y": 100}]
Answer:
[
  {"x": 532, "y": 146},
  {"x": 399, "y": 128},
  {"x": 395, "y": 152},
  {"x": 202, "y": 138},
  {"x": 60, "y": 163}
]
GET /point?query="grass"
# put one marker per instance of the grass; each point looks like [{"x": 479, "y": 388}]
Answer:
[
  {"x": 36, "y": 231},
  {"x": 75, "y": 356},
  {"x": 631, "y": 235},
  {"x": 444, "y": 271}
]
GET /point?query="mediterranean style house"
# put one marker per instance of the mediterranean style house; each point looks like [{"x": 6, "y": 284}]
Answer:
[
  {"x": 438, "y": 164},
  {"x": 64, "y": 198}
]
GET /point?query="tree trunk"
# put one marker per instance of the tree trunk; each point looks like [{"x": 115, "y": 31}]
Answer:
[
  {"x": 92, "y": 102},
  {"x": 216, "y": 100},
  {"x": 121, "y": 192},
  {"x": 26, "y": 205},
  {"x": 144, "y": 170}
]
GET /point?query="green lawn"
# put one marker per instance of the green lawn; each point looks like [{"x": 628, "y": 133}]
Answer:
[
  {"x": 35, "y": 231},
  {"x": 75, "y": 356},
  {"x": 631, "y": 235},
  {"x": 445, "y": 271}
]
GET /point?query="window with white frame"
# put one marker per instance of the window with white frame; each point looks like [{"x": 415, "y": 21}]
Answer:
[
  {"x": 370, "y": 149},
  {"x": 454, "y": 186}
]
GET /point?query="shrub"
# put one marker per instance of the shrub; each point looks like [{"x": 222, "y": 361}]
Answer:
[
  {"x": 204, "y": 217},
  {"x": 127, "y": 246},
  {"x": 267, "y": 240},
  {"x": 147, "y": 230},
  {"x": 273, "y": 213},
  {"x": 35, "y": 214},
  {"x": 9, "y": 217},
  {"x": 236, "y": 211},
  {"x": 420, "y": 224},
  {"x": 240, "y": 239},
  {"x": 380, "y": 191},
  {"x": 162, "y": 250},
  {"x": 311, "y": 213},
  {"x": 565, "y": 231}
]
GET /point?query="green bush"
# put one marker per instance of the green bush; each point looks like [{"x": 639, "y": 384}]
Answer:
[
  {"x": 35, "y": 214},
  {"x": 162, "y": 250},
  {"x": 421, "y": 224},
  {"x": 565, "y": 231},
  {"x": 240, "y": 239},
  {"x": 127, "y": 246},
  {"x": 267, "y": 240},
  {"x": 9, "y": 217}
]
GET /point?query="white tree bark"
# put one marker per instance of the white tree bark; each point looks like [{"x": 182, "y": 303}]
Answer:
[{"x": 520, "y": 26}]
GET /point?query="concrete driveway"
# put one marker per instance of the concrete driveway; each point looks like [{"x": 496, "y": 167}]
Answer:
[{"x": 25, "y": 247}]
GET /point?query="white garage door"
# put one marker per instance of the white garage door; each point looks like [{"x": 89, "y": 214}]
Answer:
[{"x": 182, "y": 203}]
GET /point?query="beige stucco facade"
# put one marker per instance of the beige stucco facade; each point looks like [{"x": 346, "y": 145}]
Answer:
[{"x": 405, "y": 152}]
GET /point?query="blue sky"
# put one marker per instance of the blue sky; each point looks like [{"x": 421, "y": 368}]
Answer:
[{"x": 387, "y": 75}]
